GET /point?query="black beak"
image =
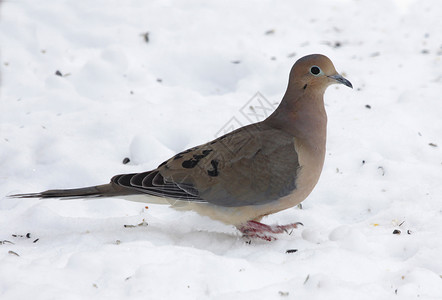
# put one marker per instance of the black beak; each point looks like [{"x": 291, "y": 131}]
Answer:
[{"x": 341, "y": 79}]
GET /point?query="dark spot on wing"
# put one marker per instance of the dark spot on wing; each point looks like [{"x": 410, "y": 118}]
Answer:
[
  {"x": 214, "y": 172},
  {"x": 201, "y": 156},
  {"x": 198, "y": 156},
  {"x": 178, "y": 156},
  {"x": 305, "y": 86},
  {"x": 190, "y": 163},
  {"x": 206, "y": 152}
]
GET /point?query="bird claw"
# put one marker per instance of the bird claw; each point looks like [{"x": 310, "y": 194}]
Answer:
[{"x": 254, "y": 229}]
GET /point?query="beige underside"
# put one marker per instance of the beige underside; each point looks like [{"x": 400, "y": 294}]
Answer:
[{"x": 307, "y": 178}]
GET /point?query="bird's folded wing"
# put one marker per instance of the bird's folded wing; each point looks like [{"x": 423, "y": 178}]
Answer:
[{"x": 253, "y": 165}]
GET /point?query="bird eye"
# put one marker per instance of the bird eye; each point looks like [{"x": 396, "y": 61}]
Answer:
[{"x": 315, "y": 70}]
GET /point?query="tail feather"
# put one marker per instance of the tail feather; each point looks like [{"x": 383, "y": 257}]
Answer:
[{"x": 105, "y": 190}]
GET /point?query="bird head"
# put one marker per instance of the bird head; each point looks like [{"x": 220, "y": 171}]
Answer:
[{"x": 315, "y": 72}]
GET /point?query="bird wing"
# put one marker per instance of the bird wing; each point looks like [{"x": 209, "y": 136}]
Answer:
[{"x": 253, "y": 165}]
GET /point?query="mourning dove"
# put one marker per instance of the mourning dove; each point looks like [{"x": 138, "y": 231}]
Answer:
[{"x": 252, "y": 172}]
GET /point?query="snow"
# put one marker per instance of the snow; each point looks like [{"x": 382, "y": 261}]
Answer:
[{"x": 120, "y": 96}]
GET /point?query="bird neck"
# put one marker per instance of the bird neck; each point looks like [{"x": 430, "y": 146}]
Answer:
[{"x": 302, "y": 115}]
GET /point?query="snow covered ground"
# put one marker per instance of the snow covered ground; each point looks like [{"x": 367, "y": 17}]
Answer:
[{"x": 120, "y": 95}]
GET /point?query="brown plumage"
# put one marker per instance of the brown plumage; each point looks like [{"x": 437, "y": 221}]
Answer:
[{"x": 249, "y": 173}]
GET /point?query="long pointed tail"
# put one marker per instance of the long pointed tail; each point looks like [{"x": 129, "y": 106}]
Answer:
[{"x": 105, "y": 190}]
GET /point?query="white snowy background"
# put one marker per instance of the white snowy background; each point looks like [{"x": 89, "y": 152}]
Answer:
[{"x": 122, "y": 96}]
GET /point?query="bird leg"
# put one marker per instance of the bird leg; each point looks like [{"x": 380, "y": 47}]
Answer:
[{"x": 254, "y": 229}]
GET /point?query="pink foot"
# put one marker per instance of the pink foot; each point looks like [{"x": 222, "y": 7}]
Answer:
[{"x": 253, "y": 229}]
